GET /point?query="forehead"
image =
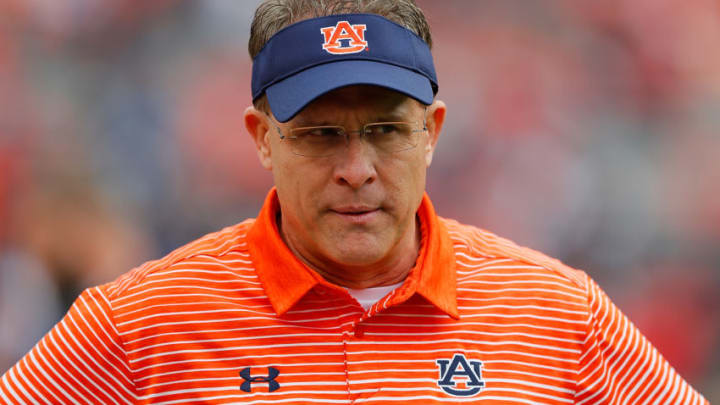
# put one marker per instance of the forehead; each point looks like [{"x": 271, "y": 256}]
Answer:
[{"x": 360, "y": 101}]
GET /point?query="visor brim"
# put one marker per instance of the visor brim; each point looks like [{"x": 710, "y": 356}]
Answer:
[{"x": 289, "y": 96}]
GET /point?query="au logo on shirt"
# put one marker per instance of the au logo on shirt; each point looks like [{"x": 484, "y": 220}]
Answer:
[{"x": 468, "y": 371}]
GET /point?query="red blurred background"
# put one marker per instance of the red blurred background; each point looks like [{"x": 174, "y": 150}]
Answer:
[{"x": 588, "y": 130}]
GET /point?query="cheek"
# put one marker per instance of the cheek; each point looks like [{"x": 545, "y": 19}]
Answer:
[
  {"x": 419, "y": 177},
  {"x": 418, "y": 166},
  {"x": 299, "y": 185},
  {"x": 405, "y": 179}
]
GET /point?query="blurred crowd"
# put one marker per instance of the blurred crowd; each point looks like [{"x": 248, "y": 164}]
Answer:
[{"x": 587, "y": 130}]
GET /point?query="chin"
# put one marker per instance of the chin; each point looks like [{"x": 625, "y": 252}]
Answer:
[
  {"x": 360, "y": 259},
  {"x": 356, "y": 253}
]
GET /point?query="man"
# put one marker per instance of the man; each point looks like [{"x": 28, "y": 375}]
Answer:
[{"x": 347, "y": 288}]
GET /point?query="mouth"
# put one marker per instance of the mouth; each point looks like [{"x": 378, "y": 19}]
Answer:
[
  {"x": 359, "y": 214},
  {"x": 353, "y": 210}
]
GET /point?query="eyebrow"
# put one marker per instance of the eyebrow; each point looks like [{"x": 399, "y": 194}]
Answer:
[{"x": 309, "y": 122}]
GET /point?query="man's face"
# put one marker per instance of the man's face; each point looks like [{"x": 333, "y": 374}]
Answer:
[{"x": 356, "y": 208}]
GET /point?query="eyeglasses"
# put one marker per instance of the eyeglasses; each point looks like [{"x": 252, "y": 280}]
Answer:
[{"x": 328, "y": 140}]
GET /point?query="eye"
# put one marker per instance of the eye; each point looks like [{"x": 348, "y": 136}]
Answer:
[
  {"x": 381, "y": 129},
  {"x": 318, "y": 132},
  {"x": 388, "y": 128}
]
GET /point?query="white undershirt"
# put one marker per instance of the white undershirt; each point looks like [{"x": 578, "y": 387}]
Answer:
[{"x": 367, "y": 297}]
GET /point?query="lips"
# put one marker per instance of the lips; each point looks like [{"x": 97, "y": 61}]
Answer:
[
  {"x": 356, "y": 214},
  {"x": 354, "y": 210}
]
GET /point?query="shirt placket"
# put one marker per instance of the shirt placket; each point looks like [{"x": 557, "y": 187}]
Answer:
[
  {"x": 348, "y": 324},
  {"x": 361, "y": 355}
]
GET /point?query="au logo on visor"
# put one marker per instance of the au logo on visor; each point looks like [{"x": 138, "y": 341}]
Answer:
[{"x": 344, "y": 38}]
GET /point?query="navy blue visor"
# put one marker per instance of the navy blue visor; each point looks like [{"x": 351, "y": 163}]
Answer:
[{"x": 312, "y": 57}]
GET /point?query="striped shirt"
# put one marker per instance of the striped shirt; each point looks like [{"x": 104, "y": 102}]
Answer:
[{"x": 234, "y": 317}]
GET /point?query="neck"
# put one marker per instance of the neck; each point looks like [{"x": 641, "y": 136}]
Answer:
[{"x": 391, "y": 270}]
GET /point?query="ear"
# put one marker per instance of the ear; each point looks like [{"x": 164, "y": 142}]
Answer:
[
  {"x": 435, "y": 117},
  {"x": 257, "y": 125}
]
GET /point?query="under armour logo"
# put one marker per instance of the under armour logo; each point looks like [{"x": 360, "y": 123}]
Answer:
[
  {"x": 270, "y": 379},
  {"x": 460, "y": 367}
]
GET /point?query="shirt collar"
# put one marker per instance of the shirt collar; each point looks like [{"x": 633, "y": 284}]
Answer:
[{"x": 286, "y": 279}]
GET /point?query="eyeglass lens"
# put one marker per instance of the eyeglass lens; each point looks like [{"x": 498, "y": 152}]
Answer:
[{"x": 327, "y": 140}]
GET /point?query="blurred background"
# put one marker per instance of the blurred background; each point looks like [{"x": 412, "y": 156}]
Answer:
[{"x": 587, "y": 130}]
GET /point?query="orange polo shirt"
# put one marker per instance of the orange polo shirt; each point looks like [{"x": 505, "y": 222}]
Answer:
[{"x": 234, "y": 317}]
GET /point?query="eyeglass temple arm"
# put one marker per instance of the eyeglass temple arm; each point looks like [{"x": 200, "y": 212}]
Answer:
[{"x": 279, "y": 131}]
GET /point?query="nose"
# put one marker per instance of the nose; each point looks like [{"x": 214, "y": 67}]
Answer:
[{"x": 355, "y": 166}]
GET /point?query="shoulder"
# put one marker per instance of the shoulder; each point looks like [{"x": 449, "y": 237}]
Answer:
[
  {"x": 215, "y": 247},
  {"x": 478, "y": 251}
]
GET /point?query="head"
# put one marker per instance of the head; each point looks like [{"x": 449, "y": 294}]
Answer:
[
  {"x": 354, "y": 209},
  {"x": 273, "y": 15}
]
